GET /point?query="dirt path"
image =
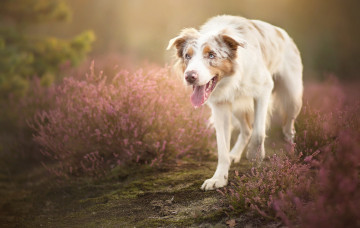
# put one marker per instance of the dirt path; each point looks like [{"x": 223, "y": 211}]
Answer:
[
  {"x": 133, "y": 197},
  {"x": 138, "y": 196}
]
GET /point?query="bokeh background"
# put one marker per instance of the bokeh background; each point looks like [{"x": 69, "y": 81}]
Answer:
[
  {"x": 39, "y": 37},
  {"x": 326, "y": 31}
]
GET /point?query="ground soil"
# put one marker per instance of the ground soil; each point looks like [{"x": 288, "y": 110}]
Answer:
[{"x": 137, "y": 196}]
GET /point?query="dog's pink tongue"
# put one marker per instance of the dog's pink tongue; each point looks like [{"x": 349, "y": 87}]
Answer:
[{"x": 198, "y": 96}]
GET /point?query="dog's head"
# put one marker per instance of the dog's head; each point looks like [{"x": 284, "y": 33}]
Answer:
[{"x": 204, "y": 60}]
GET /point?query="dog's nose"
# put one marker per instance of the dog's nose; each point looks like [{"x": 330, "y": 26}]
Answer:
[{"x": 191, "y": 76}]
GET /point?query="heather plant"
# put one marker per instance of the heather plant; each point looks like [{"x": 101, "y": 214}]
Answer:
[
  {"x": 257, "y": 191},
  {"x": 321, "y": 170},
  {"x": 318, "y": 123},
  {"x": 337, "y": 199},
  {"x": 97, "y": 123},
  {"x": 314, "y": 131},
  {"x": 332, "y": 198}
]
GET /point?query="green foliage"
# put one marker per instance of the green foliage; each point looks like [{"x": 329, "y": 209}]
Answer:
[
  {"x": 23, "y": 56},
  {"x": 34, "y": 11}
]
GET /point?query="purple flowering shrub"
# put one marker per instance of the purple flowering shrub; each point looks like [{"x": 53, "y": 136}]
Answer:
[
  {"x": 316, "y": 183},
  {"x": 256, "y": 191},
  {"x": 321, "y": 116},
  {"x": 337, "y": 199},
  {"x": 98, "y": 123},
  {"x": 332, "y": 197}
]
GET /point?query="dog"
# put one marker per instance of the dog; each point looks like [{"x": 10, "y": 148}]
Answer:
[{"x": 242, "y": 69}]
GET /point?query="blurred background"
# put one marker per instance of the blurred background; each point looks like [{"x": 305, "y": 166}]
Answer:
[
  {"x": 326, "y": 31},
  {"x": 40, "y": 40}
]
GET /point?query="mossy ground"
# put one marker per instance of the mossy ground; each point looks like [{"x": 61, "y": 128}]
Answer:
[{"x": 136, "y": 196}]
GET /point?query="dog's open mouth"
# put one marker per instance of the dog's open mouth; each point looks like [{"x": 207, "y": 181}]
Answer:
[{"x": 201, "y": 93}]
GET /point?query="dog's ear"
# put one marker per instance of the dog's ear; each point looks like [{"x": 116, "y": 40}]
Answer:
[
  {"x": 180, "y": 41},
  {"x": 233, "y": 44}
]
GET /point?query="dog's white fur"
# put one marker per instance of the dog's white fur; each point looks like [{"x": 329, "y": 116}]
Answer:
[{"x": 267, "y": 75}]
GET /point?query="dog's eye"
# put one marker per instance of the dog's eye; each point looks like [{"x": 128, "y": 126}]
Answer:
[
  {"x": 211, "y": 55},
  {"x": 187, "y": 56}
]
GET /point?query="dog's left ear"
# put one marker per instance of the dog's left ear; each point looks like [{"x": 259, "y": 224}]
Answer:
[{"x": 180, "y": 41}]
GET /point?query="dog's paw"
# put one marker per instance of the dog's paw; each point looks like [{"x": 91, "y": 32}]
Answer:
[
  {"x": 289, "y": 138},
  {"x": 255, "y": 152},
  {"x": 235, "y": 157},
  {"x": 214, "y": 183}
]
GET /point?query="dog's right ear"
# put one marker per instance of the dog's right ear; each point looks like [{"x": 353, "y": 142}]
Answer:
[{"x": 180, "y": 41}]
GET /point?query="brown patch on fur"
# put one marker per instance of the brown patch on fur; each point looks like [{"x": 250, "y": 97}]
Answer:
[
  {"x": 181, "y": 63},
  {"x": 206, "y": 50},
  {"x": 184, "y": 61},
  {"x": 180, "y": 45},
  {"x": 258, "y": 29},
  {"x": 279, "y": 33},
  {"x": 190, "y": 51},
  {"x": 223, "y": 68},
  {"x": 232, "y": 44},
  {"x": 226, "y": 67}
]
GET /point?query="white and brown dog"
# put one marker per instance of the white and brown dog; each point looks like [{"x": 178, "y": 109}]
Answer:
[{"x": 242, "y": 69}]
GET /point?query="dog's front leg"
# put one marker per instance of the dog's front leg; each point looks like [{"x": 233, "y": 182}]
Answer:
[
  {"x": 222, "y": 121},
  {"x": 256, "y": 148}
]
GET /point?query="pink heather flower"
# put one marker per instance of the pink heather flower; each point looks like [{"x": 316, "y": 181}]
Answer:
[{"x": 123, "y": 117}]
